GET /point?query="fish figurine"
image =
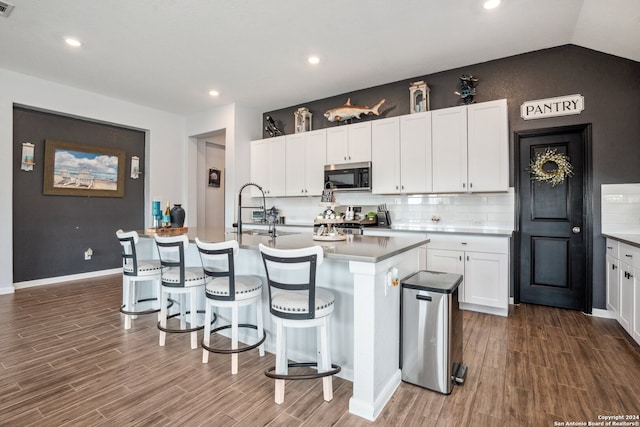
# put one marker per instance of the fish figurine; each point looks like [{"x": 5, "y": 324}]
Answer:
[{"x": 348, "y": 111}]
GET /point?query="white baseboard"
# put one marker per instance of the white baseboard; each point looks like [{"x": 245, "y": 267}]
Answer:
[
  {"x": 68, "y": 278},
  {"x": 5, "y": 290},
  {"x": 605, "y": 314}
]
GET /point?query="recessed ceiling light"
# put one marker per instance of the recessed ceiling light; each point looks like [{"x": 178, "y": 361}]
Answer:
[
  {"x": 72, "y": 42},
  {"x": 313, "y": 60},
  {"x": 490, "y": 4},
  {"x": 214, "y": 93}
]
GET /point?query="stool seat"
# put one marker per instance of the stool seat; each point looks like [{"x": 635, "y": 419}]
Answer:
[
  {"x": 289, "y": 302},
  {"x": 245, "y": 287},
  {"x": 193, "y": 276},
  {"x": 146, "y": 267}
]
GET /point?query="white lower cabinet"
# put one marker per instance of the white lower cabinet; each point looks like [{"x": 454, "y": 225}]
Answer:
[
  {"x": 483, "y": 262},
  {"x": 623, "y": 287}
]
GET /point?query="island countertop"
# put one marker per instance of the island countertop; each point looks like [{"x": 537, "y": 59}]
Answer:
[{"x": 355, "y": 248}]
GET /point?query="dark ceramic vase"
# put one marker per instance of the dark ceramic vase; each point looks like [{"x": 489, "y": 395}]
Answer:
[{"x": 177, "y": 216}]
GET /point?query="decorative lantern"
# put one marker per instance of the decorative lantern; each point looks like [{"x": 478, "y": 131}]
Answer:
[
  {"x": 419, "y": 94},
  {"x": 303, "y": 120}
]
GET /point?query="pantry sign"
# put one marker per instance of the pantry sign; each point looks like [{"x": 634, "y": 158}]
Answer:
[{"x": 552, "y": 107}]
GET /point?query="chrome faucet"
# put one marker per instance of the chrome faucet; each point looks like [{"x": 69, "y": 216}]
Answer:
[{"x": 264, "y": 204}]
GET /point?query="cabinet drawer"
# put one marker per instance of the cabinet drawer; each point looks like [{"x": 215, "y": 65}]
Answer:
[
  {"x": 460, "y": 242},
  {"x": 612, "y": 248},
  {"x": 629, "y": 254}
]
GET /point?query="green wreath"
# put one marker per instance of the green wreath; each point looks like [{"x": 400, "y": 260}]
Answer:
[{"x": 554, "y": 176}]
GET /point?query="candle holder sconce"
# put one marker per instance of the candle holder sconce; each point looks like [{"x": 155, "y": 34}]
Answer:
[{"x": 27, "y": 157}]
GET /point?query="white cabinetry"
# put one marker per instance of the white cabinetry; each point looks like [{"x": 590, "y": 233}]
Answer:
[
  {"x": 268, "y": 166},
  {"x": 304, "y": 163},
  {"x": 613, "y": 277},
  {"x": 471, "y": 148},
  {"x": 623, "y": 291},
  {"x": 401, "y": 154},
  {"x": 349, "y": 143},
  {"x": 484, "y": 263}
]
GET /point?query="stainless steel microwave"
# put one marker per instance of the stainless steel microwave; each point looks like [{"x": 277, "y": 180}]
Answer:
[{"x": 348, "y": 177}]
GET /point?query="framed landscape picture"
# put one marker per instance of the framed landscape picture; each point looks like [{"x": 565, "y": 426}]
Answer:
[{"x": 72, "y": 169}]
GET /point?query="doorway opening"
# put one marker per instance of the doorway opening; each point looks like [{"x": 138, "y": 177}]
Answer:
[
  {"x": 211, "y": 180},
  {"x": 554, "y": 219}
]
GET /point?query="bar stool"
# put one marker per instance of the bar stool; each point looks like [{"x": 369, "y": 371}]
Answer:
[
  {"x": 135, "y": 270},
  {"x": 296, "y": 302},
  {"x": 178, "y": 279},
  {"x": 226, "y": 290}
]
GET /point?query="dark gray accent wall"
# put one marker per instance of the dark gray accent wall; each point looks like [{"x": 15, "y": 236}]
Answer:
[
  {"x": 609, "y": 84},
  {"x": 51, "y": 233}
]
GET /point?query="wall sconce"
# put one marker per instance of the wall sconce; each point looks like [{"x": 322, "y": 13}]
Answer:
[
  {"x": 27, "y": 156},
  {"x": 135, "y": 167},
  {"x": 303, "y": 120},
  {"x": 419, "y": 94}
]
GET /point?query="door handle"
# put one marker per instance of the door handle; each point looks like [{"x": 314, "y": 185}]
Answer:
[{"x": 575, "y": 230}]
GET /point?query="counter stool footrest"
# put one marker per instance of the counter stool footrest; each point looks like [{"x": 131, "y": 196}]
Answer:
[
  {"x": 148, "y": 311},
  {"x": 180, "y": 331},
  {"x": 237, "y": 350},
  {"x": 271, "y": 374}
]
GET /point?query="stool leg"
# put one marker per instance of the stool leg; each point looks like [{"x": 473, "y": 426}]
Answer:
[
  {"x": 163, "y": 315},
  {"x": 183, "y": 311},
  {"x": 324, "y": 359},
  {"x": 192, "y": 317},
  {"x": 234, "y": 339},
  {"x": 206, "y": 339},
  {"x": 281, "y": 359},
  {"x": 133, "y": 297},
  {"x": 158, "y": 293},
  {"x": 125, "y": 300},
  {"x": 260, "y": 325}
]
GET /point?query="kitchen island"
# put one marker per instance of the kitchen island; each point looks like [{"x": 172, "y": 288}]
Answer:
[{"x": 365, "y": 328}]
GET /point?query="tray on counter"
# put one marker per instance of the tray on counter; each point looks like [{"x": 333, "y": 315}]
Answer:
[{"x": 168, "y": 231}]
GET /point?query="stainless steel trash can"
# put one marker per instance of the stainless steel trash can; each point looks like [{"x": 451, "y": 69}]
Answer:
[{"x": 431, "y": 331}]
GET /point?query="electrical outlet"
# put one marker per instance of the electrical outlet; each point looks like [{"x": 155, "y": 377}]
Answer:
[
  {"x": 88, "y": 254},
  {"x": 477, "y": 222}
]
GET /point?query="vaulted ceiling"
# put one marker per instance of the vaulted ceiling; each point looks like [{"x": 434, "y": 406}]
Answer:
[{"x": 168, "y": 54}]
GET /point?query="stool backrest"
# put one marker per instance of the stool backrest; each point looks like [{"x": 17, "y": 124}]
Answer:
[
  {"x": 292, "y": 270},
  {"x": 128, "y": 243},
  {"x": 171, "y": 251},
  {"x": 218, "y": 261}
]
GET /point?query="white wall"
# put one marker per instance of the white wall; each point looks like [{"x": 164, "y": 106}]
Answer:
[{"x": 166, "y": 144}]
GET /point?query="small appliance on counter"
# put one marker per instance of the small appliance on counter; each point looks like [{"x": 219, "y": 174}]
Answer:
[{"x": 384, "y": 218}]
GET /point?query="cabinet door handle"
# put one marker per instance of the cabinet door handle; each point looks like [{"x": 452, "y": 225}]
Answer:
[
  {"x": 403, "y": 187},
  {"x": 464, "y": 185},
  {"x": 460, "y": 257},
  {"x": 463, "y": 243},
  {"x": 345, "y": 157},
  {"x": 613, "y": 266},
  {"x": 396, "y": 187},
  {"x": 609, "y": 247},
  {"x": 628, "y": 256},
  {"x": 349, "y": 157},
  {"x": 467, "y": 257},
  {"x": 471, "y": 185}
]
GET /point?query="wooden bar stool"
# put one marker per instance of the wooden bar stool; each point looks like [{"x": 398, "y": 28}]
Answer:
[
  {"x": 178, "y": 279},
  {"x": 296, "y": 302},
  {"x": 225, "y": 289},
  {"x": 135, "y": 270}
]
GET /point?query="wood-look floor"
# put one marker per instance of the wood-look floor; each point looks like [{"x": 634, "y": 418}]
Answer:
[{"x": 66, "y": 360}]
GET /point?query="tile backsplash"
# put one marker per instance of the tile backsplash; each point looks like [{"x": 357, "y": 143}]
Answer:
[
  {"x": 621, "y": 208},
  {"x": 474, "y": 210}
]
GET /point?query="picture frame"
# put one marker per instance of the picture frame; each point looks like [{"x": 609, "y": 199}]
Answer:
[
  {"x": 214, "y": 177},
  {"x": 74, "y": 169}
]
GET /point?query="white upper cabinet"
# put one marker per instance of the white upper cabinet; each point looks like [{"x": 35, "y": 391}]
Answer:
[
  {"x": 401, "y": 154},
  {"x": 449, "y": 152},
  {"x": 385, "y": 156},
  {"x": 471, "y": 148},
  {"x": 488, "y": 146},
  {"x": 415, "y": 153},
  {"x": 305, "y": 160},
  {"x": 349, "y": 143},
  {"x": 268, "y": 166}
]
